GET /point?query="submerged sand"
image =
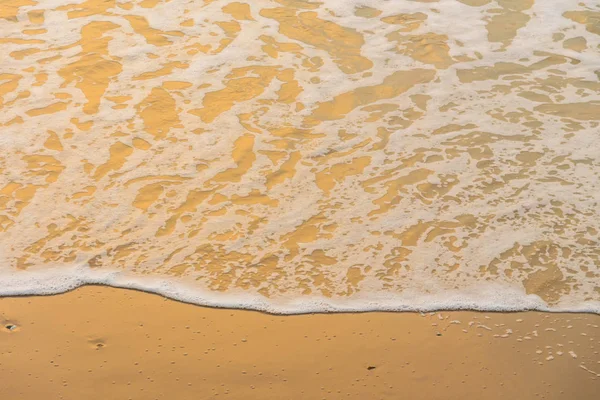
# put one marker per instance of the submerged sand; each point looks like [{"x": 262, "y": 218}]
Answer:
[
  {"x": 292, "y": 148},
  {"x": 106, "y": 343}
]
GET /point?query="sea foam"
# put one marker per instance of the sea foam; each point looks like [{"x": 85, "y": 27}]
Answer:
[
  {"x": 483, "y": 297},
  {"x": 295, "y": 156}
]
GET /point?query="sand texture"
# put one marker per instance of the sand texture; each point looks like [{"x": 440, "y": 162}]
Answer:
[{"x": 104, "y": 343}]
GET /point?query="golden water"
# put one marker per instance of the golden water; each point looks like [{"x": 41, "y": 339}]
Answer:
[{"x": 290, "y": 148}]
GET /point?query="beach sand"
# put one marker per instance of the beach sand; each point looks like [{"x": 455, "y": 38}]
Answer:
[{"x": 105, "y": 343}]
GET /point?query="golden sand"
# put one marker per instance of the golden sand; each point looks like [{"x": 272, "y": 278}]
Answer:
[
  {"x": 105, "y": 343},
  {"x": 294, "y": 148}
]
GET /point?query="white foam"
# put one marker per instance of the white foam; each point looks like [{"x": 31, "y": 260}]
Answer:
[
  {"x": 483, "y": 297},
  {"x": 504, "y": 217}
]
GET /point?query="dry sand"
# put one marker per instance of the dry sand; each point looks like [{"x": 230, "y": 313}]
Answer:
[{"x": 105, "y": 343}]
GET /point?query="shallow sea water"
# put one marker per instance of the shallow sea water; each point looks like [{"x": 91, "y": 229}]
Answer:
[{"x": 294, "y": 155}]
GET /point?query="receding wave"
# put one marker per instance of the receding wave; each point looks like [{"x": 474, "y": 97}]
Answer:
[
  {"x": 488, "y": 296},
  {"x": 296, "y": 156}
]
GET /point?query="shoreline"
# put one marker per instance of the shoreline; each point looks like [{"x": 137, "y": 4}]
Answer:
[
  {"x": 485, "y": 297},
  {"x": 124, "y": 343},
  {"x": 341, "y": 312}
]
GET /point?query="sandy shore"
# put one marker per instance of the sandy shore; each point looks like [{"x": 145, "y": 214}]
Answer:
[{"x": 103, "y": 343}]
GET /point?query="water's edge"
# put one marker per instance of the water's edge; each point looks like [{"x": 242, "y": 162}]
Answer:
[{"x": 488, "y": 297}]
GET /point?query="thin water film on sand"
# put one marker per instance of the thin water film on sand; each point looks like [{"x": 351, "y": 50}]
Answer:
[{"x": 398, "y": 150}]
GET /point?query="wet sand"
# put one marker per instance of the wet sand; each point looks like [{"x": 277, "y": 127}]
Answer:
[{"x": 102, "y": 342}]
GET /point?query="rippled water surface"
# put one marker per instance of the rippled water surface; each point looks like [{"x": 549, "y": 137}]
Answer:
[{"x": 420, "y": 152}]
